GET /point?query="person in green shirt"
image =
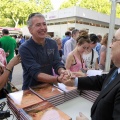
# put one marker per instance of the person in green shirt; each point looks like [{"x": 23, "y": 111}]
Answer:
[{"x": 8, "y": 44}]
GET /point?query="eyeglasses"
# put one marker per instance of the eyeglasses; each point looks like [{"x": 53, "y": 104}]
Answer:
[{"x": 114, "y": 40}]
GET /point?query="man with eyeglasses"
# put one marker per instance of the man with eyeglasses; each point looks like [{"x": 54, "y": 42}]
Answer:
[
  {"x": 40, "y": 55},
  {"x": 114, "y": 39},
  {"x": 107, "y": 105}
]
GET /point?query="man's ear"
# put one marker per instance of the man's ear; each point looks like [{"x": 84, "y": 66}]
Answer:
[{"x": 30, "y": 29}]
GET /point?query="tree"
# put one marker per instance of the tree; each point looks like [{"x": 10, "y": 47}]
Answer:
[
  {"x": 45, "y": 5},
  {"x": 17, "y": 11},
  {"x": 102, "y": 6},
  {"x": 69, "y": 3},
  {"x": 118, "y": 11}
]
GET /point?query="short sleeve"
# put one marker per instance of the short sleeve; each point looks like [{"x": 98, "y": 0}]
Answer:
[{"x": 103, "y": 48}]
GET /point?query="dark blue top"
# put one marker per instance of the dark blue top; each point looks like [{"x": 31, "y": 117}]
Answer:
[
  {"x": 38, "y": 59},
  {"x": 97, "y": 48},
  {"x": 22, "y": 41}
]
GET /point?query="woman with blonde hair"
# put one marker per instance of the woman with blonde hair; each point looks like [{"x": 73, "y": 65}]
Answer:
[
  {"x": 103, "y": 52},
  {"x": 59, "y": 44}
]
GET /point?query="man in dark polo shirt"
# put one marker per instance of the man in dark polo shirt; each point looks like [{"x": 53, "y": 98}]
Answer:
[{"x": 40, "y": 55}]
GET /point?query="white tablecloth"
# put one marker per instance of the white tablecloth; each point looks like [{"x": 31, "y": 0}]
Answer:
[{"x": 76, "y": 105}]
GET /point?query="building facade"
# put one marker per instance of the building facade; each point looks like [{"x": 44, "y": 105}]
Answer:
[{"x": 80, "y": 18}]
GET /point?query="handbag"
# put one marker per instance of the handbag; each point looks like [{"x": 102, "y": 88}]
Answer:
[{"x": 3, "y": 93}]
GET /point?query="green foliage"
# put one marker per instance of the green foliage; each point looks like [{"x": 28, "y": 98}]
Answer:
[
  {"x": 118, "y": 11},
  {"x": 102, "y": 6},
  {"x": 45, "y": 6},
  {"x": 69, "y": 3},
  {"x": 6, "y": 22},
  {"x": 17, "y": 11}
]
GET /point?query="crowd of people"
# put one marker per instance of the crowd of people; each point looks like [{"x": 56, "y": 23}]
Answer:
[{"x": 65, "y": 60}]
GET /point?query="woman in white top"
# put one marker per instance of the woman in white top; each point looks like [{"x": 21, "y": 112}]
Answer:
[{"x": 90, "y": 56}]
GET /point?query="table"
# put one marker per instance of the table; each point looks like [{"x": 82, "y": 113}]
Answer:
[
  {"x": 76, "y": 105},
  {"x": 71, "y": 107}
]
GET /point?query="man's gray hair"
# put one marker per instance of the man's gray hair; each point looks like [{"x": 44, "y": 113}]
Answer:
[
  {"x": 74, "y": 31},
  {"x": 29, "y": 21}
]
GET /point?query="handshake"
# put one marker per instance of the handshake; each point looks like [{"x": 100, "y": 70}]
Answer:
[{"x": 68, "y": 78}]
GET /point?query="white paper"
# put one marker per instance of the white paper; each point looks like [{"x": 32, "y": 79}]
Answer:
[
  {"x": 62, "y": 87},
  {"x": 94, "y": 72}
]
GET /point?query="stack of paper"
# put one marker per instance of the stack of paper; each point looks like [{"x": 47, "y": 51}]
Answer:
[
  {"x": 43, "y": 111},
  {"x": 89, "y": 95},
  {"x": 50, "y": 93},
  {"x": 22, "y": 99},
  {"x": 94, "y": 72},
  {"x": 69, "y": 92}
]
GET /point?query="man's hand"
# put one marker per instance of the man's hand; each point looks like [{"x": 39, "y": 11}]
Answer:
[
  {"x": 69, "y": 82},
  {"x": 81, "y": 117},
  {"x": 66, "y": 77},
  {"x": 67, "y": 74},
  {"x": 66, "y": 80},
  {"x": 79, "y": 74}
]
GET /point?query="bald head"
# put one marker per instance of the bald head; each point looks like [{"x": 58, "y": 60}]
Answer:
[
  {"x": 117, "y": 34},
  {"x": 115, "y": 49}
]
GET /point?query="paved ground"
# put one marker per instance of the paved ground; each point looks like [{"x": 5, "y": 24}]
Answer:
[{"x": 17, "y": 76}]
